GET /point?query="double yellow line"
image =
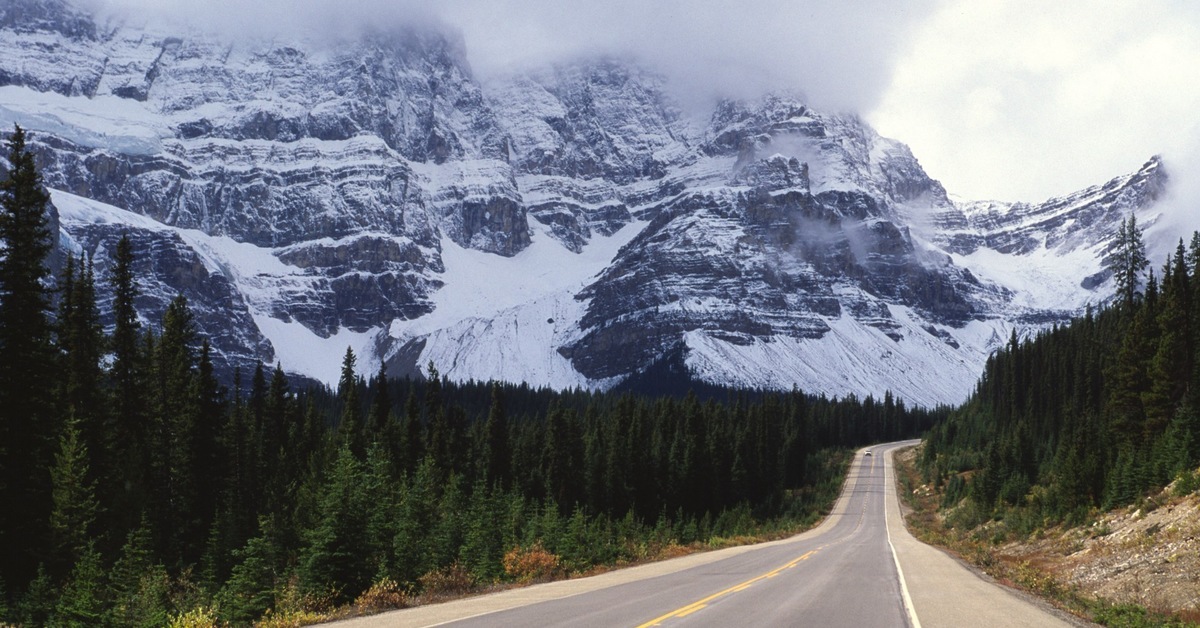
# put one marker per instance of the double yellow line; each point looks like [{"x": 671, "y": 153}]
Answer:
[{"x": 699, "y": 604}]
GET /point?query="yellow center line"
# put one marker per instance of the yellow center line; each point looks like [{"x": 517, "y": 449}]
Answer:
[{"x": 699, "y": 604}]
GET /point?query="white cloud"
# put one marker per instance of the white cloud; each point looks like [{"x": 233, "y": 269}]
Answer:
[
  {"x": 1023, "y": 100},
  {"x": 1007, "y": 99},
  {"x": 839, "y": 52}
]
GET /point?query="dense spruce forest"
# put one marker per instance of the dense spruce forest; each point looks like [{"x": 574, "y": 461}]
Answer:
[
  {"x": 1093, "y": 414},
  {"x": 137, "y": 490}
]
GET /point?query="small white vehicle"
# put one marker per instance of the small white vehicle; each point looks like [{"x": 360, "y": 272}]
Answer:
[{"x": 867, "y": 452}]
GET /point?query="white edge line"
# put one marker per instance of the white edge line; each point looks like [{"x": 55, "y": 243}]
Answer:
[{"x": 908, "y": 603}]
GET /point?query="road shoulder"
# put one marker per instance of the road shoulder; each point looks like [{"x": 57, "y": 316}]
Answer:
[{"x": 944, "y": 592}]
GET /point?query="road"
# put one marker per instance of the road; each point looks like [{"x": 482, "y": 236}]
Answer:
[{"x": 844, "y": 572}]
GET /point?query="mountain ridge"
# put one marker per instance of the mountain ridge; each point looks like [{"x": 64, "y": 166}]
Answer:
[{"x": 567, "y": 226}]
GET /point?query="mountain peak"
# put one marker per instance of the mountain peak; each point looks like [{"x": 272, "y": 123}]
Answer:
[{"x": 567, "y": 226}]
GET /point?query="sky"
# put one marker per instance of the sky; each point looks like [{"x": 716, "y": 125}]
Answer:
[
  {"x": 1015, "y": 100},
  {"x": 999, "y": 99}
]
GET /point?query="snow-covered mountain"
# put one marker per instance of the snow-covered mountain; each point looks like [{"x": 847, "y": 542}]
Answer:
[{"x": 568, "y": 226}]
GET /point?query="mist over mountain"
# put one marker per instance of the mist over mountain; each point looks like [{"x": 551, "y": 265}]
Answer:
[{"x": 570, "y": 223}]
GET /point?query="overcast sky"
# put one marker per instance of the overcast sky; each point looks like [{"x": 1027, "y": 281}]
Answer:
[{"x": 999, "y": 99}]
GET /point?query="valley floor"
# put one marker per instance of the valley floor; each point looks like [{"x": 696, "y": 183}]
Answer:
[{"x": 1132, "y": 566}]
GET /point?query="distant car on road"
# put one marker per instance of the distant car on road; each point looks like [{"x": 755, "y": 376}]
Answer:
[{"x": 867, "y": 452}]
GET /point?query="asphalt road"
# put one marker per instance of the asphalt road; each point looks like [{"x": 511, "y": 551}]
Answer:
[{"x": 842, "y": 573}]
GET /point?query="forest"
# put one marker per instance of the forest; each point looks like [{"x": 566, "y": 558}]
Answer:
[
  {"x": 1092, "y": 414},
  {"x": 138, "y": 490}
]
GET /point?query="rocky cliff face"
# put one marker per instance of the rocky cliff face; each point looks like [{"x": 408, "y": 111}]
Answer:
[{"x": 566, "y": 226}]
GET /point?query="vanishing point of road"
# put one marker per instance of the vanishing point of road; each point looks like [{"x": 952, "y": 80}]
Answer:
[{"x": 860, "y": 567}]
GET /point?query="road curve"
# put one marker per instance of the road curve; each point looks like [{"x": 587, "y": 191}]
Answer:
[{"x": 844, "y": 572}]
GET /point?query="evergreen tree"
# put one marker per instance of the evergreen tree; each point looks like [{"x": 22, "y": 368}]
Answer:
[
  {"x": 83, "y": 602},
  {"x": 381, "y": 403},
  {"x": 417, "y": 515},
  {"x": 237, "y": 446},
  {"x": 128, "y": 429},
  {"x": 74, "y": 498},
  {"x": 383, "y": 511},
  {"x": 482, "y": 548},
  {"x": 37, "y": 605},
  {"x": 1169, "y": 369},
  {"x": 138, "y": 586},
  {"x": 250, "y": 590},
  {"x": 411, "y": 448},
  {"x": 351, "y": 423},
  {"x": 81, "y": 342},
  {"x": 440, "y": 441},
  {"x": 28, "y": 416},
  {"x": 175, "y": 425},
  {"x": 256, "y": 409},
  {"x": 208, "y": 459},
  {"x": 496, "y": 452},
  {"x": 1128, "y": 260},
  {"x": 333, "y": 560}
]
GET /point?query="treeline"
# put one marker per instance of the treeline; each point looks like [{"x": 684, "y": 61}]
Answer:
[
  {"x": 136, "y": 488},
  {"x": 1091, "y": 414}
]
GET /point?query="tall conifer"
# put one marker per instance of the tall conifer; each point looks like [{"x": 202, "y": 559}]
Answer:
[{"x": 28, "y": 418}]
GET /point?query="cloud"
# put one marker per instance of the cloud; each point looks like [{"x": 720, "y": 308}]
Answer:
[
  {"x": 1181, "y": 206},
  {"x": 838, "y": 52},
  {"x": 1005, "y": 99},
  {"x": 331, "y": 19},
  {"x": 1024, "y": 100}
]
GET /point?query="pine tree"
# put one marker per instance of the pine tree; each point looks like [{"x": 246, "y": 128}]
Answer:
[
  {"x": 411, "y": 448},
  {"x": 413, "y": 554},
  {"x": 28, "y": 417},
  {"x": 351, "y": 423},
  {"x": 208, "y": 459},
  {"x": 483, "y": 543},
  {"x": 335, "y": 558},
  {"x": 381, "y": 403},
  {"x": 138, "y": 586},
  {"x": 37, "y": 605},
  {"x": 1128, "y": 260},
  {"x": 237, "y": 449},
  {"x": 496, "y": 451},
  {"x": 383, "y": 510},
  {"x": 439, "y": 440},
  {"x": 81, "y": 340},
  {"x": 83, "y": 602},
  {"x": 250, "y": 590},
  {"x": 175, "y": 424},
  {"x": 129, "y": 436},
  {"x": 256, "y": 410},
  {"x": 1127, "y": 376},
  {"x": 74, "y": 497},
  {"x": 1170, "y": 367}
]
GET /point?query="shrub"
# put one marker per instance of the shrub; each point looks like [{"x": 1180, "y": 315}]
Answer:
[
  {"x": 199, "y": 617},
  {"x": 531, "y": 564},
  {"x": 447, "y": 581},
  {"x": 384, "y": 595},
  {"x": 294, "y": 608}
]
